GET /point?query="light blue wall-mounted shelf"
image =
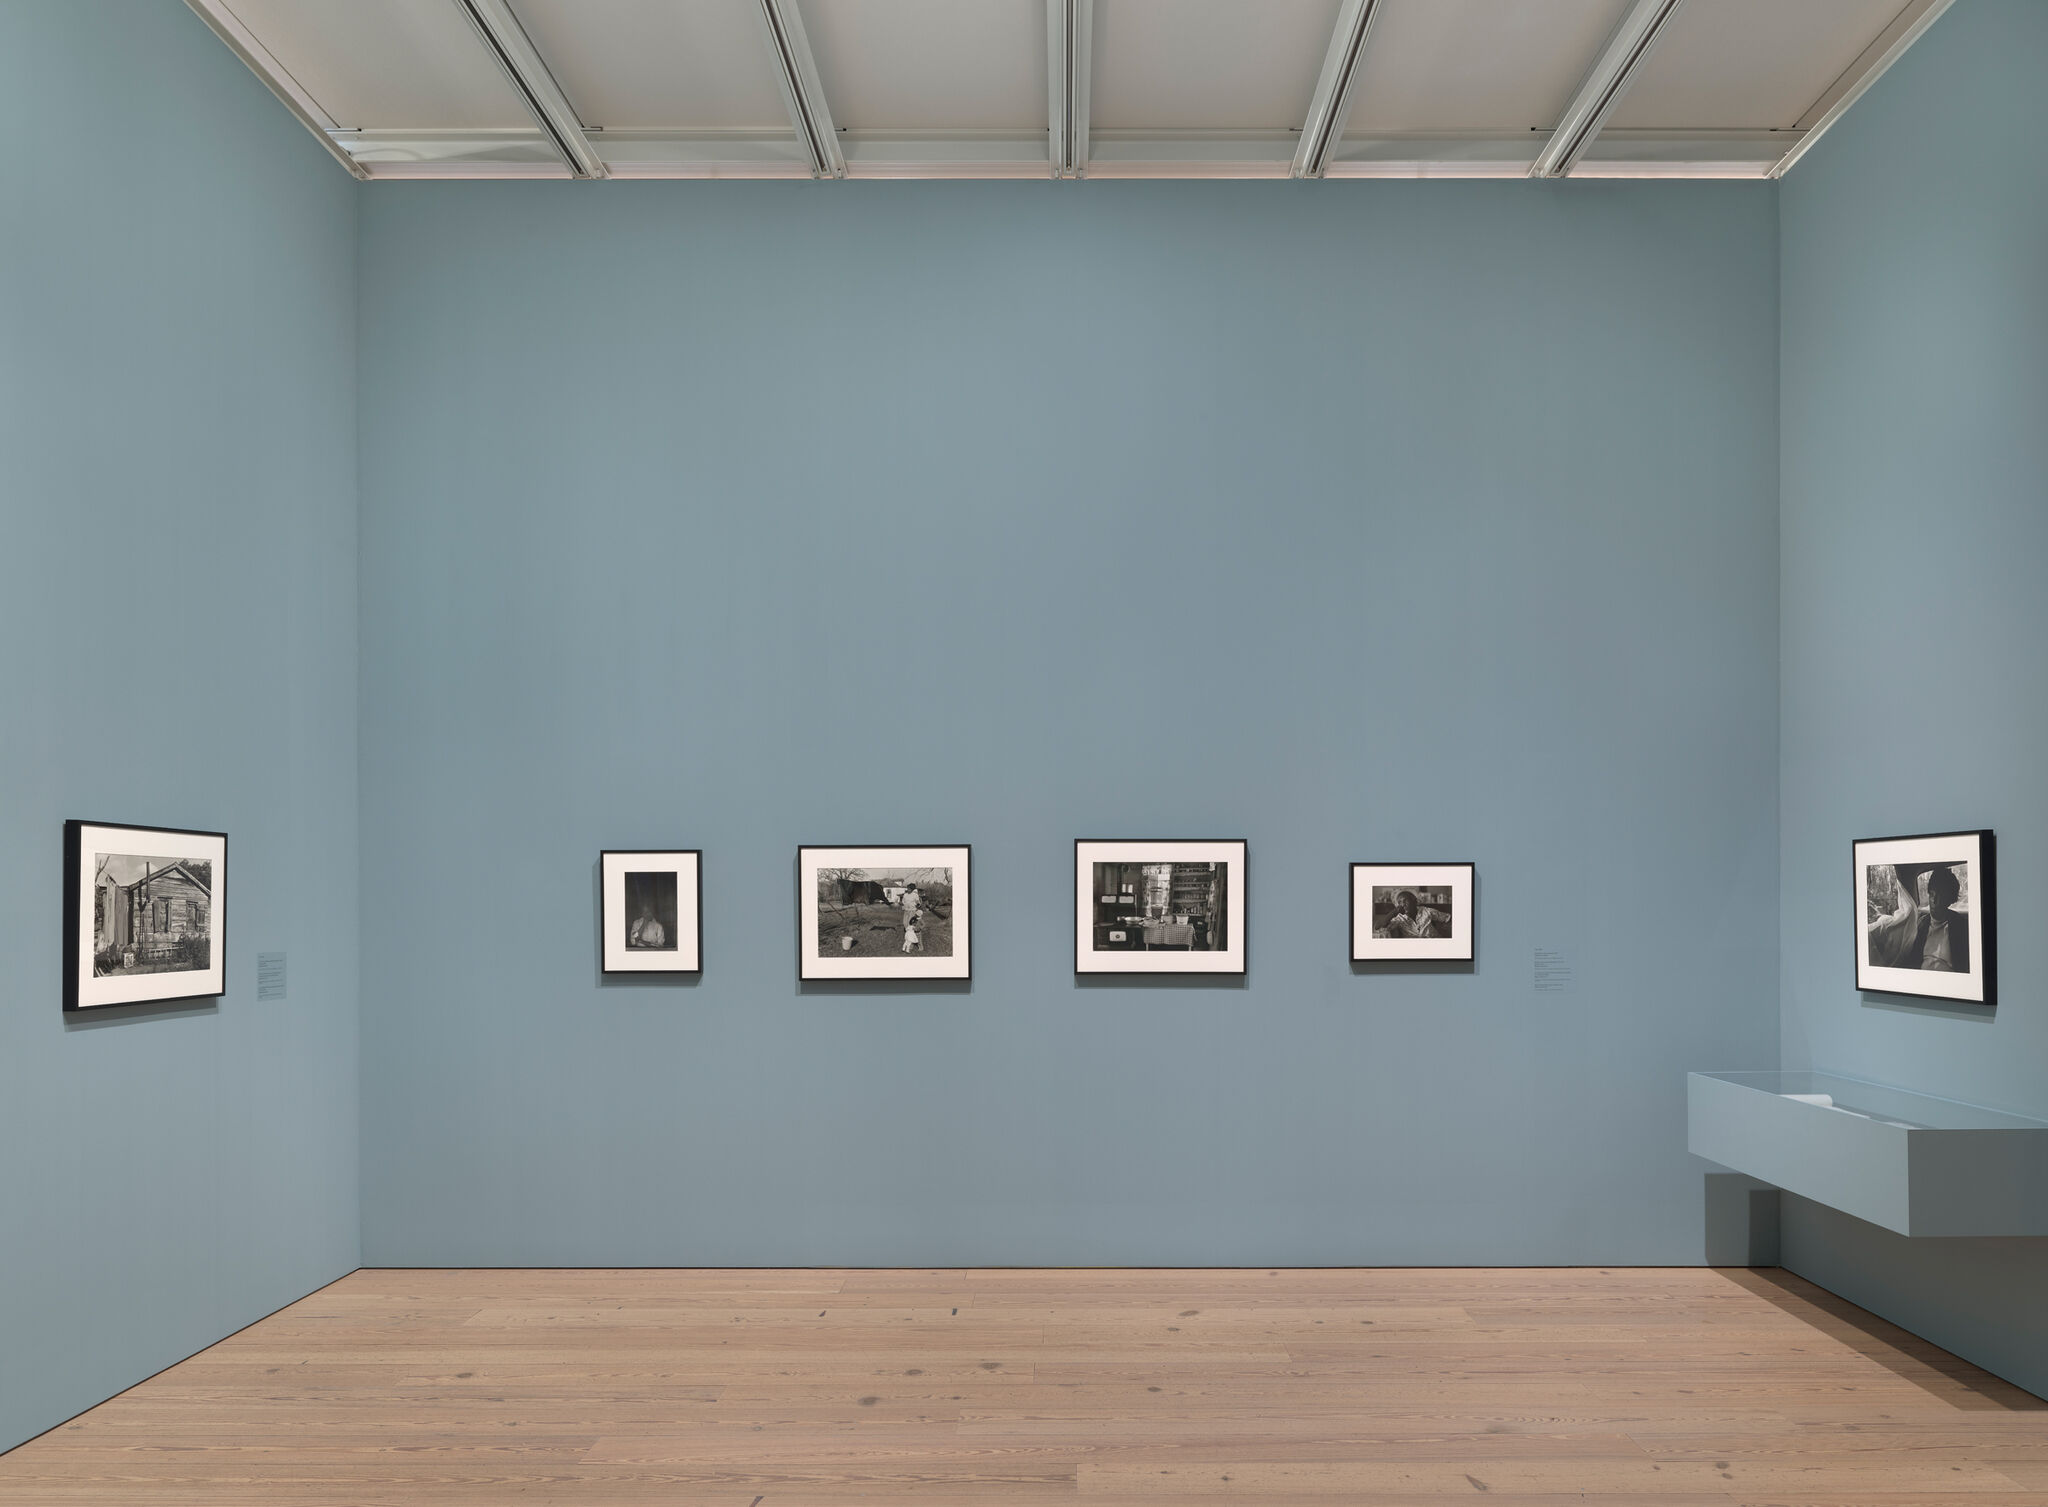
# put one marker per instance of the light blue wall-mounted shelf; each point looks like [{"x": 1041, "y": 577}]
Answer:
[{"x": 1911, "y": 1163}]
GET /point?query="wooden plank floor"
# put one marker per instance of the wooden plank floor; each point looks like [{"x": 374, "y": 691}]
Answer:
[{"x": 807, "y": 1388}]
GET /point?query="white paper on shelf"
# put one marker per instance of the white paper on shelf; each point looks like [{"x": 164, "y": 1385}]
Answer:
[{"x": 1827, "y": 1101}]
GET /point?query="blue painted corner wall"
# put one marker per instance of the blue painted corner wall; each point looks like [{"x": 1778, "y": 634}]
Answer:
[
  {"x": 1400, "y": 520},
  {"x": 1915, "y": 529},
  {"x": 178, "y": 609}
]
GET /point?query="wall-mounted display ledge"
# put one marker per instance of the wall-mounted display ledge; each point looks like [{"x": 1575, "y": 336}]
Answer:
[{"x": 1911, "y": 1163}]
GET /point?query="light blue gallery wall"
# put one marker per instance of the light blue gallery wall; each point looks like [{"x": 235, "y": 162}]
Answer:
[
  {"x": 178, "y": 609},
  {"x": 1408, "y": 521},
  {"x": 1915, "y": 493}
]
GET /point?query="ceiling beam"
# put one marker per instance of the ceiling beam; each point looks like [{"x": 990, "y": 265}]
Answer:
[
  {"x": 243, "y": 44},
  {"x": 1019, "y": 152},
  {"x": 1069, "y": 45},
  {"x": 1330, "y": 106},
  {"x": 1906, "y": 28},
  {"x": 802, "y": 91},
  {"x": 521, "y": 60},
  {"x": 1605, "y": 83}
]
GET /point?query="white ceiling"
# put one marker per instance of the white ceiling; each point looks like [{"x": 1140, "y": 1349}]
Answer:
[
  {"x": 959, "y": 87},
  {"x": 626, "y": 64},
  {"x": 1748, "y": 63},
  {"x": 1478, "y": 65},
  {"x": 1206, "y": 64},
  {"x": 927, "y": 64},
  {"x": 387, "y": 62}
]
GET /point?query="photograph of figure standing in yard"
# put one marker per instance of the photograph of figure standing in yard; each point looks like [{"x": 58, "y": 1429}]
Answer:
[
  {"x": 872, "y": 913},
  {"x": 1161, "y": 907},
  {"x": 149, "y": 915}
]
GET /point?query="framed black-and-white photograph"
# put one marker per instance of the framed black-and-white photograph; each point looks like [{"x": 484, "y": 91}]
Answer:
[
  {"x": 145, "y": 917},
  {"x": 653, "y": 910},
  {"x": 1418, "y": 912},
  {"x": 889, "y": 912},
  {"x": 1926, "y": 916},
  {"x": 1159, "y": 907}
]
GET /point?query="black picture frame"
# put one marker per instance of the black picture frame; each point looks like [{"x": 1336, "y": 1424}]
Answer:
[
  {"x": 1462, "y": 946},
  {"x": 1233, "y": 960},
  {"x": 1925, "y": 852},
  {"x": 613, "y": 956},
  {"x": 85, "y": 989},
  {"x": 956, "y": 967}
]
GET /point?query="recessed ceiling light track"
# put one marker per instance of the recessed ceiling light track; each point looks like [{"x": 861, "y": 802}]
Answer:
[
  {"x": 802, "y": 91},
  {"x": 1330, "y": 106},
  {"x": 1611, "y": 74},
  {"x": 1069, "y": 42},
  {"x": 522, "y": 63}
]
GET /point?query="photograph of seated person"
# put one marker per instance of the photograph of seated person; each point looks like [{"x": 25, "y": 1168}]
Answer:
[
  {"x": 1413, "y": 919},
  {"x": 1933, "y": 937}
]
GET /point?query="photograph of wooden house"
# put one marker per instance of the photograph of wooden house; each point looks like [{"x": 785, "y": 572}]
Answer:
[
  {"x": 149, "y": 915},
  {"x": 142, "y": 914}
]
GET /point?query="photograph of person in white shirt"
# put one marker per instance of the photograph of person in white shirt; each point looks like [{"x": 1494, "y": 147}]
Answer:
[
  {"x": 1409, "y": 916},
  {"x": 1911, "y": 930}
]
